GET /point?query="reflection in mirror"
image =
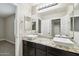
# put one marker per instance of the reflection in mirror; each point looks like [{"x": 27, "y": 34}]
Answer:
[
  {"x": 55, "y": 27},
  {"x": 39, "y": 26},
  {"x": 76, "y": 23},
  {"x": 72, "y": 23},
  {"x": 27, "y": 25},
  {"x": 33, "y": 25}
]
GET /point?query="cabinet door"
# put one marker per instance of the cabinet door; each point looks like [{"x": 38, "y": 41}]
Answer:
[
  {"x": 53, "y": 51},
  {"x": 31, "y": 51},
  {"x": 58, "y": 52},
  {"x": 41, "y": 47},
  {"x": 40, "y": 52},
  {"x": 24, "y": 50},
  {"x": 28, "y": 51}
]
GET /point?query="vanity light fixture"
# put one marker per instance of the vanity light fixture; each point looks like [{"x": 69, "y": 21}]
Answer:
[{"x": 44, "y": 6}]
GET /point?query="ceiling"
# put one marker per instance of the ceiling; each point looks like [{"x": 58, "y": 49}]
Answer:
[{"x": 7, "y": 9}]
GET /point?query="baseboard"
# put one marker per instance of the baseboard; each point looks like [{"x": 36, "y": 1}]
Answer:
[
  {"x": 2, "y": 39},
  {"x": 11, "y": 41},
  {"x": 7, "y": 40}
]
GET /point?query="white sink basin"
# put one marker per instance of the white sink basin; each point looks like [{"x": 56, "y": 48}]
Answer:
[
  {"x": 63, "y": 41},
  {"x": 31, "y": 36}
]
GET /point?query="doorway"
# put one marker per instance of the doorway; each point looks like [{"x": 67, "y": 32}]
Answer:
[{"x": 7, "y": 26}]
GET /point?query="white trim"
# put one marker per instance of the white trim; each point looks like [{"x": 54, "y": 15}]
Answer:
[
  {"x": 7, "y": 40},
  {"x": 11, "y": 41},
  {"x": 2, "y": 39}
]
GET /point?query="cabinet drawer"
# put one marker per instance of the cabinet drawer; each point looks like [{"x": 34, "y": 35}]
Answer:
[
  {"x": 27, "y": 43},
  {"x": 28, "y": 51},
  {"x": 41, "y": 47}
]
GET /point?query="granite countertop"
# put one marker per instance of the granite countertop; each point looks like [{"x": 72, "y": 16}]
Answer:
[{"x": 51, "y": 43}]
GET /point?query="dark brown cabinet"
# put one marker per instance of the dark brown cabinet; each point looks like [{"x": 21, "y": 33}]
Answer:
[
  {"x": 41, "y": 47},
  {"x": 34, "y": 49},
  {"x": 40, "y": 52},
  {"x": 59, "y": 52},
  {"x": 28, "y": 51}
]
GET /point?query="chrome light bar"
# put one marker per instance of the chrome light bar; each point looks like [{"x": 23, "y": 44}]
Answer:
[{"x": 47, "y": 6}]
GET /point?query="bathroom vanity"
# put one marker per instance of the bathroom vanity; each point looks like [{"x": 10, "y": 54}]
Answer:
[{"x": 40, "y": 47}]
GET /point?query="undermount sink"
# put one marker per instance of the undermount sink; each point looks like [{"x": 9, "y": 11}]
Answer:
[
  {"x": 63, "y": 41},
  {"x": 31, "y": 36}
]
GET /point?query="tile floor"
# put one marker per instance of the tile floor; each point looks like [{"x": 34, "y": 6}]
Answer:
[{"x": 7, "y": 48}]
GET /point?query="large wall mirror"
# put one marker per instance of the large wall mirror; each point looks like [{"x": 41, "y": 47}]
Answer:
[{"x": 55, "y": 23}]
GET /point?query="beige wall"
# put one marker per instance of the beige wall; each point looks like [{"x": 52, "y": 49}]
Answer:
[
  {"x": 1, "y": 28},
  {"x": 9, "y": 28}
]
